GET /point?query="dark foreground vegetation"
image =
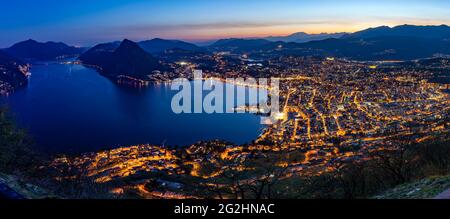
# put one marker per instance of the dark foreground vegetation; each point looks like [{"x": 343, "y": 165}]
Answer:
[
  {"x": 16, "y": 152},
  {"x": 365, "y": 179},
  {"x": 19, "y": 164}
]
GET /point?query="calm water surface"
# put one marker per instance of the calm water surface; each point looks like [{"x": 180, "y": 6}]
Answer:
[{"x": 73, "y": 109}]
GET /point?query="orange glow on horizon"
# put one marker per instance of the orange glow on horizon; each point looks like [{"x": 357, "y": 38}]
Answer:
[{"x": 281, "y": 30}]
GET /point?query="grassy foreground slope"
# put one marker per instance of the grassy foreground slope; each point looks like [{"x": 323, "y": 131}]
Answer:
[{"x": 422, "y": 189}]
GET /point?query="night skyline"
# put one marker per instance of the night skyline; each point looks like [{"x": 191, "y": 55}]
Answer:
[{"x": 87, "y": 23}]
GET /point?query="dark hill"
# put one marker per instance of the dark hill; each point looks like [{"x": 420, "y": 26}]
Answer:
[
  {"x": 126, "y": 59},
  {"x": 157, "y": 46},
  {"x": 404, "y": 42},
  {"x": 10, "y": 73},
  {"x": 302, "y": 37},
  {"x": 428, "y": 32},
  {"x": 100, "y": 54},
  {"x": 33, "y": 50},
  {"x": 376, "y": 48}
]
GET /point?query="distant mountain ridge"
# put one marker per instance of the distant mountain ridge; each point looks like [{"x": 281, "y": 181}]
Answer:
[
  {"x": 125, "y": 59},
  {"x": 375, "y": 48},
  {"x": 428, "y": 32},
  {"x": 405, "y": 42},
  {"x": 380, "y": 43},
  {"x": 302, "y": 37},
  {"x": 33, "y": 50}
]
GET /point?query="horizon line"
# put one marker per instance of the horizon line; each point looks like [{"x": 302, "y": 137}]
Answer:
[{"x": 200, "y": 40}]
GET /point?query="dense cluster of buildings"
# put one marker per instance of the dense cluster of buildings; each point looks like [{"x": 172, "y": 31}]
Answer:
[{"x": 333, "y": 111}]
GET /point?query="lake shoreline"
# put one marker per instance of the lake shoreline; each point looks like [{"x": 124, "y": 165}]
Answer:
[{"x": 57, "y": 92}]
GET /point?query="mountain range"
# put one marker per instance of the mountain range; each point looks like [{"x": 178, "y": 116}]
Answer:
[
  {"x": 302, "y": 37},
  {"x": 33, "y": 50},
  {"x": 404, "y": 42},
  {"x": 138, "y": 60},
  {"x": 426, "y": 32}
]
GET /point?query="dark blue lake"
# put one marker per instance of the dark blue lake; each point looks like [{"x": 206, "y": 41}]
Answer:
[{"x": 73, "y": 109}]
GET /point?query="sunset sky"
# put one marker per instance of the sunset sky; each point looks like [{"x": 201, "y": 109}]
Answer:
[{"x": 86, "y": 22}]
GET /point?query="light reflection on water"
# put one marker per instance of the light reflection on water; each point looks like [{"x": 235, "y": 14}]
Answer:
[{"x": 71, "y": 108}]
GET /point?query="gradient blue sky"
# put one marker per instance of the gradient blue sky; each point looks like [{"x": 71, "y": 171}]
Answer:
[{"x": 87, "y": 22}]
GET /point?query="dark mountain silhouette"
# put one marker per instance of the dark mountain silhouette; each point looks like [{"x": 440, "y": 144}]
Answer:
[
  {"x": 404, "y": 42},
  {"x": 10, "y": 72},
  {"x": 302, "y": 37},
  {"x": 33, "y": 50},
  {"x": 157, "y": 46},
  {"x": 427, "y": 32},
  {"x": 7, "y": 59},
  {"x": 375, "y": 48},
  {"x": 125, "y": 59},
  {"x": 100, "y": 54}
]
